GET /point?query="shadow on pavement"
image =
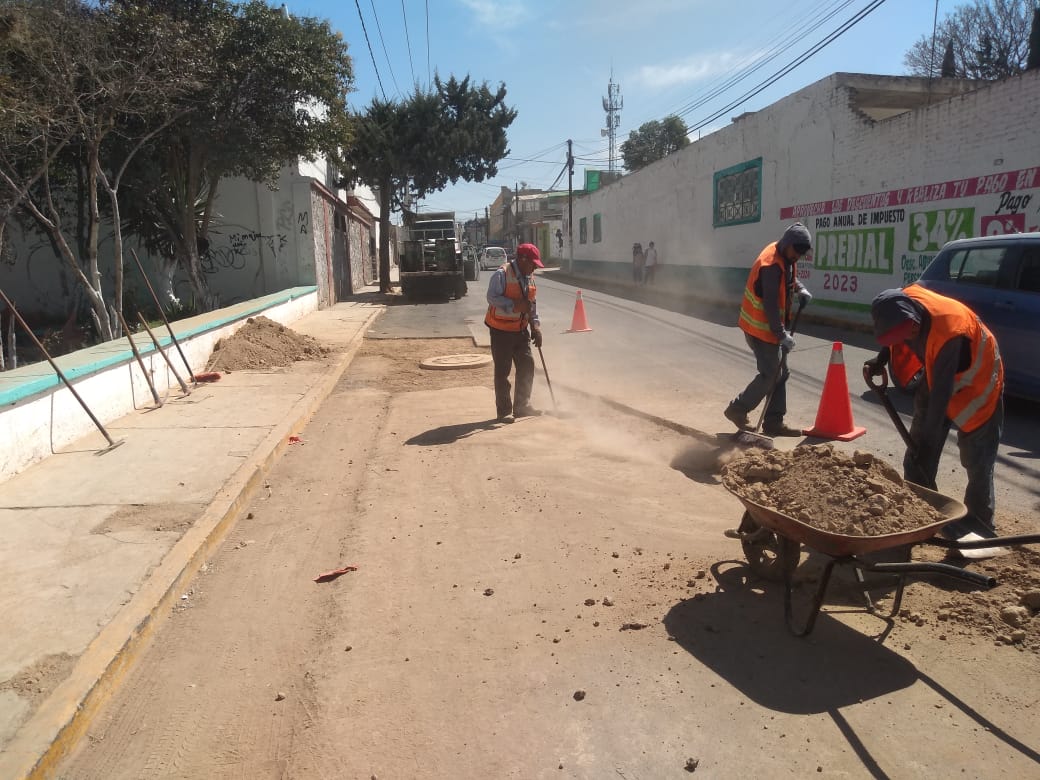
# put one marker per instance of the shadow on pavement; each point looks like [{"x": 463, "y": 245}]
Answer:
[
  {"x": 739, "y": 633},
  {"x": 448, "y": 434}
]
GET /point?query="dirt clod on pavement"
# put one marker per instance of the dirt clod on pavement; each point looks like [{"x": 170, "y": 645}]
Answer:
[
  {"x": 263, "y": 343},
  {"x": 853, "y": 496}
]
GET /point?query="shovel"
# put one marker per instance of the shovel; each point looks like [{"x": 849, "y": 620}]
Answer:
[
  {"x": 966, "y": 530},
  {"x": 754, "y": 438},
  {"x": 545, "y": 370}
]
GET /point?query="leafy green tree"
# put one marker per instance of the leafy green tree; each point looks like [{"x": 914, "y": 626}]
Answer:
[
  {"x": 270, "y": 88},
  {"x": 990, "y": 40},
  {"x": 443, "y": 134},
  {"x": 652, "y": 141},
  {"x": 76, "y": 87}
]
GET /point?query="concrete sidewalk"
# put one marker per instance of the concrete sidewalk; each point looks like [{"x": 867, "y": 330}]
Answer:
[{"x": 95, "y": 544}]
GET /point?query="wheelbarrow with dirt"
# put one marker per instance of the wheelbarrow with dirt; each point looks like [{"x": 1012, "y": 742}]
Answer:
[{"x": 772, "y": 543}]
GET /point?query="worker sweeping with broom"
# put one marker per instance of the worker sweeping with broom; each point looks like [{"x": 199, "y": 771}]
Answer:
[
  {"x": 765, "y": 317},
  {"x": 512, "y": 318}
]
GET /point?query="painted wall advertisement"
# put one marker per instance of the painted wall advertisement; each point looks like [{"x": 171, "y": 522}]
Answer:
[{"x": 864, "y": 244}]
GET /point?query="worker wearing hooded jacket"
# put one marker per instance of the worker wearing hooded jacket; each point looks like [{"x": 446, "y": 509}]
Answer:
[
  {"x": 512, "y": 317},
  {"x": 963, "y": 386},
  {"x": 765, "y": 316}
]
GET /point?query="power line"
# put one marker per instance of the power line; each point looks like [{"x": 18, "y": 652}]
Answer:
[
  {"x": 408, "y": 40},
  {"x": 379, "y": 29},
  {"x": 370, "y": 53},
  {"x": 429, "y": 78},
  {"x": 874, "y": 5},
  {"x": 798, "y": 32},
  {"x": 777, "y": 75}
]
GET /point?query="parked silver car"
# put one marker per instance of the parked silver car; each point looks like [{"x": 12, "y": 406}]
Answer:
[{"x": 492, "y": 257}]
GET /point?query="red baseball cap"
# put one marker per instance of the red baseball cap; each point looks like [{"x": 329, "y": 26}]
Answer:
[
  {"x": 530, "y": 251},
  {"x": 896, "y": 334}
]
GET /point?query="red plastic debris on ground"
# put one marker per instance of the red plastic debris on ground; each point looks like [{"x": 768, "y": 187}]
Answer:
[{"x": 328, "y": 576}]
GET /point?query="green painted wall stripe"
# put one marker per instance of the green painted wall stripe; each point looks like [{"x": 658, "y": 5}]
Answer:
[{"x": 23, "y": 383}]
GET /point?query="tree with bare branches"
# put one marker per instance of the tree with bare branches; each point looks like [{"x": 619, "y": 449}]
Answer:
[
  {"x": 84, "y": 102},
  {"x": 990, "y": 40}
]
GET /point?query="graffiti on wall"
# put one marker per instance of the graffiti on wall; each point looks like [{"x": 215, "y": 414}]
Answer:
[
  {"x": 239, "y": 249},
  {"x": 867, "y": 243}
]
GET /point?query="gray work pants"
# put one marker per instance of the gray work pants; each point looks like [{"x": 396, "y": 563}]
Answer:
[
  {"x": 767, "y": 360},
  {"x": 509, "y": 348},
  {"x": 978, "y": 451}
]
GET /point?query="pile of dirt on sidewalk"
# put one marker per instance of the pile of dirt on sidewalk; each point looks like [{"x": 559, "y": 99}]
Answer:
[
  {"x": 855, "y": 496},
  {"x": 263, "y": 343}
]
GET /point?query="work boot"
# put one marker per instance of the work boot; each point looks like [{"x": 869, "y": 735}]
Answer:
[
  {"x": 508, "y": 419},
  {"x": 526, "y": 410},
  {"x": 737, "y": 416},
  {"x": 780, "y": 429}
]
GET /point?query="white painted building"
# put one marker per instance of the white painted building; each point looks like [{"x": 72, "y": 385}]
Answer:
[
  {"x": 261, "y": 241},
  {"x": 882, "y": 169}
]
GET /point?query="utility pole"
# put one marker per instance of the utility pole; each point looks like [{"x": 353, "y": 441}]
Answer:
[
  {"x": 612, "y": 104},
  {"x": 516, "y": 211},
  {"x": 570, "y": 206}
]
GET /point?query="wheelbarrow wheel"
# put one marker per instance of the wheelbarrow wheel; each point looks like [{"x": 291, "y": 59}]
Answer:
[{"x": 771, "y": 556}]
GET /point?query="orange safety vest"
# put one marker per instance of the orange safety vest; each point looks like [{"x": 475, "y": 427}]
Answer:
[
  {"x": 977, "y": 389},
  {"x": 753, "y": 319},
  {"x": 511, "y": 321}
]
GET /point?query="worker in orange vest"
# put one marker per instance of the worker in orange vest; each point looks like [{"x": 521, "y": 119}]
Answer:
[
  {"x": 512, "y": 317},
  {"x": 962, "y": 387},
  {"x": 765, "y": 316}
]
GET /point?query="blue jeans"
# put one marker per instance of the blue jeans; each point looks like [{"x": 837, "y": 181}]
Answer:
[
  {"x": 978, "y": 451},
  {"x": 768, "y": 358}
]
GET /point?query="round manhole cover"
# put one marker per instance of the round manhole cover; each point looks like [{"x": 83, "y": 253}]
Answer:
[{"x": 450, "y": 362}]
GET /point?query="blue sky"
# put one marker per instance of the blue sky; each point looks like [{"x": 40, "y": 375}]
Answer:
[{"x": 556, "y": 59}]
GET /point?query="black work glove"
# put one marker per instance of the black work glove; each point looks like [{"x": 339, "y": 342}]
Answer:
[
  {"x": 876, "y": 365},
  {"x": 536, "y": 337}
]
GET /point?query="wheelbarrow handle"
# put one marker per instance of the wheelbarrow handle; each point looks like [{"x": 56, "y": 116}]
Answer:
[{"x": 945, "y": 569}]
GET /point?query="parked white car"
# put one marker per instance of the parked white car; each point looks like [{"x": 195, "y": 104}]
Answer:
[{"x": 492, "y": 257}]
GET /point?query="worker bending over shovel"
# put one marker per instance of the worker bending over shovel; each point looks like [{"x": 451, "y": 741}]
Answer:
[
  {"x": 512, "y": 317},
  {"x": 963, "y": 386}
]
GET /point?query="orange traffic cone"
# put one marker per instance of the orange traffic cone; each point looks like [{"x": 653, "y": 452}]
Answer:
[
  {"x": 579, "y": 324},
  {"x": 834, "y": 417}
]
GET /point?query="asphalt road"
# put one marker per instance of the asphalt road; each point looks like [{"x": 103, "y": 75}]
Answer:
[
  {"x": 685, "y": 368},
  {"x": 547, "y": 599}
]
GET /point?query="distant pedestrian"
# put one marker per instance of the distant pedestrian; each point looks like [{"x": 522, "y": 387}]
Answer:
[
  {"x": 765, "y": 316},
  {"x": 651, "y": 264},
  {"x": 638, "y": 262},
  {"x": 512, "y": 317}
]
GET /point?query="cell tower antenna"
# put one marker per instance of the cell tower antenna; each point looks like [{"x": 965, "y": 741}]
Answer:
[{"x": 612, "y": 104}]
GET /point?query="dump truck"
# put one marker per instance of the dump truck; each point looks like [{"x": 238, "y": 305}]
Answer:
[{"x": 431, "y": 258}]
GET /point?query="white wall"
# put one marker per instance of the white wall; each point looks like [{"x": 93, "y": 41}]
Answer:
[
  {"x": 53, "y": 418},
  {"x": 261, "y": 241},
  {"x": 969, "y": 163}
]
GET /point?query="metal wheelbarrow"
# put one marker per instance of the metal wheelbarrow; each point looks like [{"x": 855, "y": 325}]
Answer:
[{"x": 772, "y": 545}]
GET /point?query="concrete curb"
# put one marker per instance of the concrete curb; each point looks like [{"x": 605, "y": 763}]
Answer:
[{"x": 65, "y": 716}]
